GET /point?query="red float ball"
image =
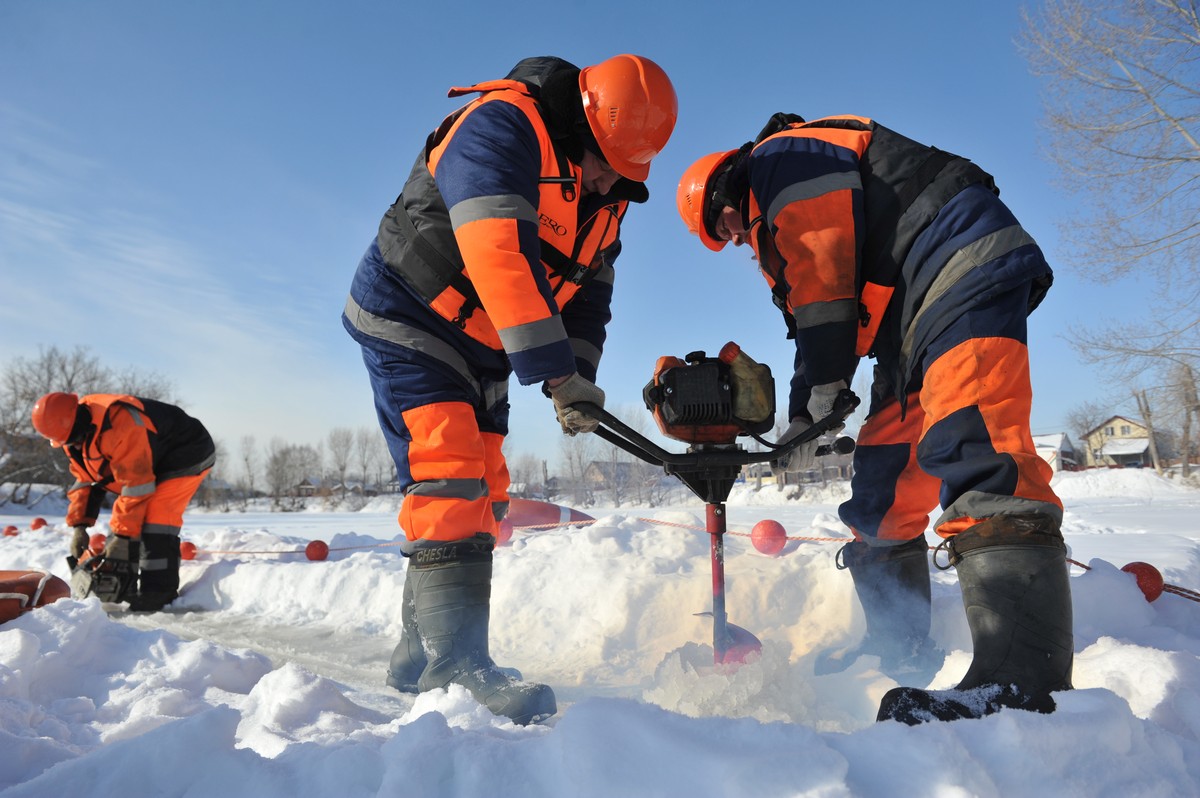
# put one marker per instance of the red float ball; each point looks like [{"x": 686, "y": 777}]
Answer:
[
  {"x": 37, "y": 523},
  {"x": 187, "y": 550},
  {"x": 316, "y": 550},
  {"x": 10, "y": 531},
  {"x": 1149, "y": 579},
  {"x": 769, "y": 537},
  {"x": 97, "y": 540},
  {"x": 504, "y": 535}
]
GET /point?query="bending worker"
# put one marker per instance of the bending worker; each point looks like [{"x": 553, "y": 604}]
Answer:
[
  {"x": 151, "y": 454},
  {"x": 497, "y": 257},
  {"x": 874, "y": 245}
]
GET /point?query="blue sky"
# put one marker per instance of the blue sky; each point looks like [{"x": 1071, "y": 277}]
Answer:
[{"x": 187, "y": 187}]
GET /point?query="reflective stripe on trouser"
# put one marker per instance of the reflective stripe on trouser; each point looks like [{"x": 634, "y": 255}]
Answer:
[
  {"x": 972, "y": 426},
  {"x": 445, "y": 439}
]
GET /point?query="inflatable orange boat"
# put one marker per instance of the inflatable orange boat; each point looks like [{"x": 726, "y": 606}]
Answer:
[
  {"x": 528, "y": 512},
  {"x": 21, "y": 591}
]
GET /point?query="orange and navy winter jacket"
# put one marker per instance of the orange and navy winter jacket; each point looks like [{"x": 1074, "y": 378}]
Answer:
[
  {"x": 873, "y": 243},
  {"x": 131, "y": 446},
  {"x": 492, "y": 247}
]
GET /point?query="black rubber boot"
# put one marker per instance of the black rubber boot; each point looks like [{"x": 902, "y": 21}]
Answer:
[
  {"x": 158, "y": 579},
  {"x": 892, "y": 583},
  {"x": 408, "y": 658},
  {"x": 452, "y": 588},
  {"x": 1013, "y": 575}
]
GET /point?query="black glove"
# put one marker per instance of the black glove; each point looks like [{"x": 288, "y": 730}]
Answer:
[
  {"x": 119, "y": 547},
  {"x": 79, "y": 542}
]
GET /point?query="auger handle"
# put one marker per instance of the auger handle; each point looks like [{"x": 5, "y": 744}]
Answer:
[{"x": 625, "y": 437}]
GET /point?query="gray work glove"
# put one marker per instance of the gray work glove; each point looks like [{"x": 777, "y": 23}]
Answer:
[
  {"x": 79, "y": 542},
  {"x": 571, "y": 390},
  {"x": 800, "y": 459},
  {"x": 119, "y": 547},
  {"x": 821, "y": 400}
]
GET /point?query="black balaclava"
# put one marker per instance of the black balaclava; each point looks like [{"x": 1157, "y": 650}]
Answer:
[
  {"x": 82, "y": 427},
  {"x": 731, "y": 185},
  {"x": 562, "y": 108},
  {"x": 729, "y": 188}
]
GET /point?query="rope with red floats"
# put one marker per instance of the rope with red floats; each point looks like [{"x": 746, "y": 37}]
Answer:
[{"x": 767, "y": 536}]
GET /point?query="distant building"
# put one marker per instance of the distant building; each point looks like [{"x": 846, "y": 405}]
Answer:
[
  {"x": 1120, "y": 442},
  {"x": 606, "y": 475},
  {"x": 1057, "y": 450}
]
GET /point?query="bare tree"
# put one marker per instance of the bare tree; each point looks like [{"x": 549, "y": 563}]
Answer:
[
  {"x": 341, "y": 447},
  {"x": 1144, "y": 408},
  {"x": 1122, "y": 95},
  {"x": 576, "y": 456},
  {"x": 25, "y": 380},
  {"x": 1083, "y": 419},
  {"x": 525, "y": 472},
  {"x": 1121, "y": 86},
  {"x": 628, "y": 470},
  {"x": 367, "y": 450},
  {"x": 249, "y": 452},
  {"x": 1187, "y": 398},
  {"x": 385, "y": 466},
  {"x": 214, "y": 491},
  {"x": 288, "y": 467}
]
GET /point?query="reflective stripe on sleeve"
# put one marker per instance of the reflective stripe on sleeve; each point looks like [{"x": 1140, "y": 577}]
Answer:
[
  {"x": 503, "y": 206},
  {"x": 816, "y": 313},
  {"x": 534, "y": 334},
  {"x": 586, "y": 351}
]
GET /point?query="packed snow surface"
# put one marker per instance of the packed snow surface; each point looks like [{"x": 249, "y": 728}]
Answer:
[{"x": 266, "y": 677}]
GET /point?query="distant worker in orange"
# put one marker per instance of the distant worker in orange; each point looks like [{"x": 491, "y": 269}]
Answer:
[
  {"x": 151, "y": 454},
  {"x": 875, "y": 245},
  {"x": 496, "y": 258}
]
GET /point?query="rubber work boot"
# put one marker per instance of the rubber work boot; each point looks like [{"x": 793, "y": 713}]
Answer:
[
  {"x": 1013, "y": 575},
  {"x": 451, "y": 591},
  {"x": 408, "y": 658},
  {"x": 892, "y": 583},
  {"x": 158, "y": 573}
]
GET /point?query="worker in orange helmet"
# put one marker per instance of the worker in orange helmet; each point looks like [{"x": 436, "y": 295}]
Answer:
[
  {"x": 497, "y": 258},
  {"x": 875, "y": 245},
  {"x": 153, "y": 456}
]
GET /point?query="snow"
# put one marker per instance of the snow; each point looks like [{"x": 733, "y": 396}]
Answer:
[
  {"x": 267, "y": 679},
  {"x": 1114, "y": 448}
]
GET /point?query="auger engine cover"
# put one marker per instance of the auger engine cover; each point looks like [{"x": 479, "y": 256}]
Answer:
[
  {"x": 109, "y": 580},
  {"x": 711, "y": 399}
]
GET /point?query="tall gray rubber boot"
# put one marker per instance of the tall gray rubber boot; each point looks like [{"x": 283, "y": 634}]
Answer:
[
  {"x": 1015, "y": 588},
  {"x": 158, "y": 581},
  {"x": 452, "y": 588},
  {"x": 408, "y": 658},
  {"x": 893, "y": 587}
]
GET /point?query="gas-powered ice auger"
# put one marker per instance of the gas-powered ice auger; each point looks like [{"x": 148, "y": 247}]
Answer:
[{"x": 708, "y": 403}]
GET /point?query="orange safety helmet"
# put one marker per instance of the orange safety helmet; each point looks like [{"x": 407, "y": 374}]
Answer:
[
  {"x": 53, "y": 416},
  {"x": 631, "y": 107},
  {"x": 695, "y": 193}
]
